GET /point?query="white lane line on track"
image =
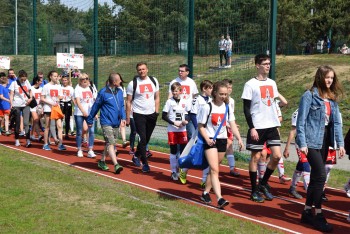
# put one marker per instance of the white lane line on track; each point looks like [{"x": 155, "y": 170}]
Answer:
[
  {"x": 158, "y": 191},
  {"x": 234, "y": 186}
]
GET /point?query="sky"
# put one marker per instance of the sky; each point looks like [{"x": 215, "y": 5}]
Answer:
[{"x": 82, "y": 4}]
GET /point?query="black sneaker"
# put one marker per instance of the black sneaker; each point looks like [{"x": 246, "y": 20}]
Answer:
[
  {"x": 307, "y": 217},
  {"x": 222, "y": 203},
  {"x": 255, "y": 197},
  {"x": 206, "y": 198},
  {"x": 265, "y": 190},
  {"x": 324, "y": 198},
  {"x": 320, "y": 223}
]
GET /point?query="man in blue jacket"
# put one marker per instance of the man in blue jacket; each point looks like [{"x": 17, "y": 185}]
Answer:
[{"x": 110, "y": 102}]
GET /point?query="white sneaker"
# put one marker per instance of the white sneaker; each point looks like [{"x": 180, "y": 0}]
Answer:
[
  {"x": 91, "y": 154},
  {"x": 80, "y": 154},
  {"x": 17, "y": 143},
  {"x": 347, "y": 190},
  {"x": 174, "y": 176},
  {"x": 348, "y": 219}
]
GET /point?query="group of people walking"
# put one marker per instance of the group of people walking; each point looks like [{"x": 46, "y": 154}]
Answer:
[{"x": 188, "y": 112}]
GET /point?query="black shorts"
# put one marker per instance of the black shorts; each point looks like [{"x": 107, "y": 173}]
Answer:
[
  {"x": 268, "y": 135},
  {"x": 220, "y": 144},
  {"x": 47, "y": 113}
]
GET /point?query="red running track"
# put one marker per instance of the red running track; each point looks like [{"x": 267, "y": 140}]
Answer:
[{"x": 283, "y": 213}]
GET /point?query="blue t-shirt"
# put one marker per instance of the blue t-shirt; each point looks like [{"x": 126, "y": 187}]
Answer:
[{"x": 4, "y": 105}]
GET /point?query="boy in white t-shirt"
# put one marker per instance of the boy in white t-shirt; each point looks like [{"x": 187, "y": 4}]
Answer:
[
  {"x": 258, "y": 96},
  {"x": 176, "y": 115}
]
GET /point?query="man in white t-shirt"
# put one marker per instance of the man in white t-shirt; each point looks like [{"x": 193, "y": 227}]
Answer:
[
  {"x": 143, "y": 97},
  {"x": 258, "y": 96},
  {"x": 189, "y": 91},
  {"x": 229, "y": 45},
  {"x": 222, "y": 50}
]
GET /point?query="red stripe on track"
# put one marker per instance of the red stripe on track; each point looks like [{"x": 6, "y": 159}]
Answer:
[{"x": 283, "y": 213}]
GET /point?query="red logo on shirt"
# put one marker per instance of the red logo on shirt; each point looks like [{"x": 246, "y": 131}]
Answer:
[
  {"x": 21, "y": 90},
  {"x": 267, "y": 95},
  {"x": 87, "y": 96},
  {"x": 216, "y": 119},
  {"x": 53, "y": 93},
  {"x": 145, "y": 90},
  {"x": 37, "y": 95},
  {"x": 186, "y": 90},
  {"x": 66, "y": 93}
]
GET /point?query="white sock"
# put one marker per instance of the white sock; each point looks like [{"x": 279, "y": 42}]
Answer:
[
  {"x": 173, "y": 163},
  {"x": 205, "y": 174},
  {"x": 71, "y": 124},
  {"x": 306, "y": 179},
  {"x": 296, "y": 177},
  {"x": 280, "y": 167},
  {"x": 231, "y": 161},
  {"x": 328, "y": 168},
  {"x": 261, "y": 169}
]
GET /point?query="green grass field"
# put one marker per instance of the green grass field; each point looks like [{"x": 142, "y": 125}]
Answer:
[{"x": 40, "y": 196}]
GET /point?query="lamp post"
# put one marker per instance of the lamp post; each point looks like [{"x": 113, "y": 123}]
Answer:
[{"x": 13, "y": 37}]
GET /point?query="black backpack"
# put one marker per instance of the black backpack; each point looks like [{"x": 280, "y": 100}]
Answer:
[{"x": 135, "y": 84}]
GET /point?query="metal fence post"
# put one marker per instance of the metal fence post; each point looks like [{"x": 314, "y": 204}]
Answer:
[
  {"x": 35, "y": 43},
  {"x": 190, "y": 43},
  {"x": 273, "y": 25},
  {"x": 96, "y": 43}
]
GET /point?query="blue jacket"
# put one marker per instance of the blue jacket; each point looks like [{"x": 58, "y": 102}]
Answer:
[
  {"x": 311, "y": 122},
  {"x": 111, "y": 105}
]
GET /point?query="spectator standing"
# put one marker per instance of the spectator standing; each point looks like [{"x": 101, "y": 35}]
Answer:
[
  {"x": 143, "y": 96},
  {"x": 229, "y": 46},
  {"x": 222, "y": 50},
  {"x": 110, "y": 102},
  {"x": 11, "y": 77}
]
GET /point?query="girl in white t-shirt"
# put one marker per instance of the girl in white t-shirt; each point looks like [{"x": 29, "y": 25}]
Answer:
[
  {"x": 36, "y": 115},
  {"x": 84, "y": 99},
  {"x": 208, "y": 124},
  {"x": 20, "y": 101},
  {"x": 50, "y": 96},
  {"x": 66, "y": 103}
]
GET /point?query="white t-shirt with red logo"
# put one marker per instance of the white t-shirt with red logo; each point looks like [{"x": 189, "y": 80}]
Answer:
[
  {"x": 176, "y": 112},
  {"x": 262, "y": 94},
  {"x": 143, "y": 102},
  {"x": 86, "y": 99},
  {"x": 197, "y": 103},
  {"x": 67, "y": 93},
  {"x": 188, "y": 86},
  {"x": 215, "y": 118},
  {"x": 52, "y": 92},
  {"x": 20, "y": 98}
]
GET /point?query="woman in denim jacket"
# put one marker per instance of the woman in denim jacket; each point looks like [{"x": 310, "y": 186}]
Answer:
[{"x": 318, "y": 127}]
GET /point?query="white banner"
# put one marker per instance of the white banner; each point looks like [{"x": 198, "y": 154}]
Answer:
[
  {"x": 4, "y": 62},
  {"x": 72, "y": 61}
]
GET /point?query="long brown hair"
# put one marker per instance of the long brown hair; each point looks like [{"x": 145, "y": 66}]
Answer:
[
  {"x": 334, "y": 91},
  {"x": 217, "y": 85}
]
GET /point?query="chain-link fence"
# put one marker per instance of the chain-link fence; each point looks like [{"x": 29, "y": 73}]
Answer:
[{"x": 154, "y": 31}]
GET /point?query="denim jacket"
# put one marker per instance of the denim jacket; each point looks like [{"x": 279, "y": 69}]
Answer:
[{"x": 311, "y": 122}]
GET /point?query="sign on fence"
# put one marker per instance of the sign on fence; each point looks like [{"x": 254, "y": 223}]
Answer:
[
  {"x": 72, "y": 61},
  {"x": 4, "y": 62}
]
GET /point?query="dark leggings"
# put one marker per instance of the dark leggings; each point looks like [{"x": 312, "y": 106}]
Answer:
[
  {"x": 66, "y": 108},
  {"x": 132, "y": 133},
  {"x": 317, "y": 160}
]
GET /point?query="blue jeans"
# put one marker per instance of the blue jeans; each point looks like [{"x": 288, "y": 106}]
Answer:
[{"x": 79, "y": 125}]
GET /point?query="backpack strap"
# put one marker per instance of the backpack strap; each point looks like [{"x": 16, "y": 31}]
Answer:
[
  {"x": 134, "y": 82},
  {"x": 210, "y": 107}
]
